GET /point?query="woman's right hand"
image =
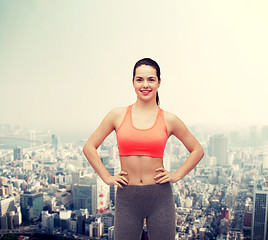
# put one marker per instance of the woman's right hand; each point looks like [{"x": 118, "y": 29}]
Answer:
[{"x": 118, "y": 179}]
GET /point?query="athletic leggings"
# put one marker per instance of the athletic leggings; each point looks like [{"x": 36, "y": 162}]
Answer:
[{"x": 153, "y": 202}]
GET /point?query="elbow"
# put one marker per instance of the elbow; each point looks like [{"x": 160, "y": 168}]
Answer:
[
  {"x": 201, "y": 153},
  {"x": 86, "y": 149}
]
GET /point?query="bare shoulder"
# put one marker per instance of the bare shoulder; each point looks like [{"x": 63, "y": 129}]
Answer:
[
  {"x": 171, "y": 118},
  {"x": 117, "y": 112},
  {"x": 117, "y": 115},
  {"x": 173, "y": 122}
]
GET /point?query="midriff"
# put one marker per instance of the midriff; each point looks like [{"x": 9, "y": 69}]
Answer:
[{"x": 140, "y": 169}]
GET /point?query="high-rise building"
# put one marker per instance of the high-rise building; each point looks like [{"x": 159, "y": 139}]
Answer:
[
  {"x": 218, "y": 149},
  {"x": 76, "y": 177},
  {"x": 108, "y": 221},
  {"x": 85, "y": 197},
  {"x": 96, "y": 228},
  {"x": 32, "y": 204},
  {"x": 55, "y": 142},
  {"x": 7, "y": 205},
  {"x": 259, "y": 216},
  {"x": 17, "y": 152}
]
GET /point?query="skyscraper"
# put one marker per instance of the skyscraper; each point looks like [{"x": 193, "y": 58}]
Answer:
[
  {"x": 17, "y": 152},
  {"x": 55, "y": 142},
  {"x": 85, "y": 197},
  {"x": 32, "y": 204},
  {"x": 7, "y": 205},
  {"x": 218, "y": 149},
  {"x": 259, "y": 216}
]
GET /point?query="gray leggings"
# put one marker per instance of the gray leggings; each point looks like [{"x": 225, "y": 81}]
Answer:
[{"x": 153, "y": 202}]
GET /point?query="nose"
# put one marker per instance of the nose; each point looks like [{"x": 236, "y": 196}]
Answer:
[{"x": 145, "y": 84}]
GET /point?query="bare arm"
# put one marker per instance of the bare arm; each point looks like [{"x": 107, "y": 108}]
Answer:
[
  {"x": 180, "y": 131},
  {"x": 91, "y": 146}
]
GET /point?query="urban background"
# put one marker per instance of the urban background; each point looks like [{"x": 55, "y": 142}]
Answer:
[
  {"x": 65, "y": 64},
  {"x": 48, "y": 187}
]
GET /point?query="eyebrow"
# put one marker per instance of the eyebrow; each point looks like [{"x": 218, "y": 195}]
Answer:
[{"x": 148, "y": 77}]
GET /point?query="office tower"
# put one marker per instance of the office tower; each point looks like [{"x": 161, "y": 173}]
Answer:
[
  {"x": 113, "y": 170},
  {"x": 103, "y": 190},
  {"x": 32, "y": 204},
  {"x": 108, "y": 221},
  {"x": 218, "y": 149},
  {"x": 7, "y": 205},
  {"x": 85, "y": 197},
  {"x": 76, "y": 177},
  {"x": 17, "y": 152},
  {"x": 54, "y": 142},
  {"x": 259, "y": 216},
  {"x": 96, "y": 228}
]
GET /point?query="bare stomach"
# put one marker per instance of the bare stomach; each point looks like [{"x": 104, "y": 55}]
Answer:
[{"x": 140, "y": 169}]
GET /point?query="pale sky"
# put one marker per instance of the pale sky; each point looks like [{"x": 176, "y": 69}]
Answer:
[{"x": 65, "y": 64}]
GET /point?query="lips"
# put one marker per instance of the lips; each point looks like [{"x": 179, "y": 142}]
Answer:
[{"x": 145, "y": 92}]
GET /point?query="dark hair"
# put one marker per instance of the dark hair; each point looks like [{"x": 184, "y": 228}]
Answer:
[{"x": 152, "y": 63}]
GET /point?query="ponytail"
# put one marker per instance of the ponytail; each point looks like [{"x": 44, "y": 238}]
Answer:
[{"x": 157, "y": 99}]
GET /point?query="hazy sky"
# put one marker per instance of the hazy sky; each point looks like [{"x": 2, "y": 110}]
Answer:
[{"x": 65, "y": 64}]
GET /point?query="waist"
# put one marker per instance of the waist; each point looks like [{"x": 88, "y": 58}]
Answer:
[{"x": 140, "y": 169}]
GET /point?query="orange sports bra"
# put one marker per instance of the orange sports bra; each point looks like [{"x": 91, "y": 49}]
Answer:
[{"x": 133, "y": 141}]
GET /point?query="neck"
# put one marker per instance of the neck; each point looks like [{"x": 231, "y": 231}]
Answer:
[{"x": 145, "y": 105}]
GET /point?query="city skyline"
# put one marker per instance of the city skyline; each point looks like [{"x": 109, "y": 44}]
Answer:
[{"x": 65, "y": 65}]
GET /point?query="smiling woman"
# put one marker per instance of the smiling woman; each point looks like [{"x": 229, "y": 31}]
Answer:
[
  {"x": 146, "y": 75},
  {"x": 142, "y": 129}
]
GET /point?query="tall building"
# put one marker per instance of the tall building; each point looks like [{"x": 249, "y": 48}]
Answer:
[
  {"x": 259, "y": 216},
  {"x": 17, "y": 152},
  {"x": 96, "y": 228},
  {"x": 54, "y": 142},
  {"x": 7, "y": 205},
  {"x": 32, "y": 204},
  {"x": 218, "y": 148},
  {"x": 103, "y": 190},
  {"x": 85, "y": 197},
  {"x": 76, "y": 177}
]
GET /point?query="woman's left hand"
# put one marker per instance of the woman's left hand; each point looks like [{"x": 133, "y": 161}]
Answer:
[{"x": 165, "y": 176}]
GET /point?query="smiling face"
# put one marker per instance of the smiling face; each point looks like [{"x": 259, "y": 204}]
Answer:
[{"x": 146, "y": 82}]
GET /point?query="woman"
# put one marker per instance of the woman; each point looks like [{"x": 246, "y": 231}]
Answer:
[{"x": 143, "y": 128}]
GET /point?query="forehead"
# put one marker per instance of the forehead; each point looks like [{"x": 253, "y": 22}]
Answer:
[{"x": 145, "y": 70}]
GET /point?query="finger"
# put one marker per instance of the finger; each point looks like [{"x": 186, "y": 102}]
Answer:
[
  {"x": 124, "y": 178},
  {"x": 123, "y": 173},
  {"x": 160, "y": 169},
  {"x": 163, "y": 179},
  {"x": 118, "y": 184},
  {"x": 160, "y": 175},
  {"x": 122, "y": 181}
]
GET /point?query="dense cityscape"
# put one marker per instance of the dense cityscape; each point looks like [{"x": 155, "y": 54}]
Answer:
[{"x": 48, "y": 188}]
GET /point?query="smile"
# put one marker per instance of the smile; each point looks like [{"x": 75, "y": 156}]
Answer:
[{"x": 145, "y": 92}]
